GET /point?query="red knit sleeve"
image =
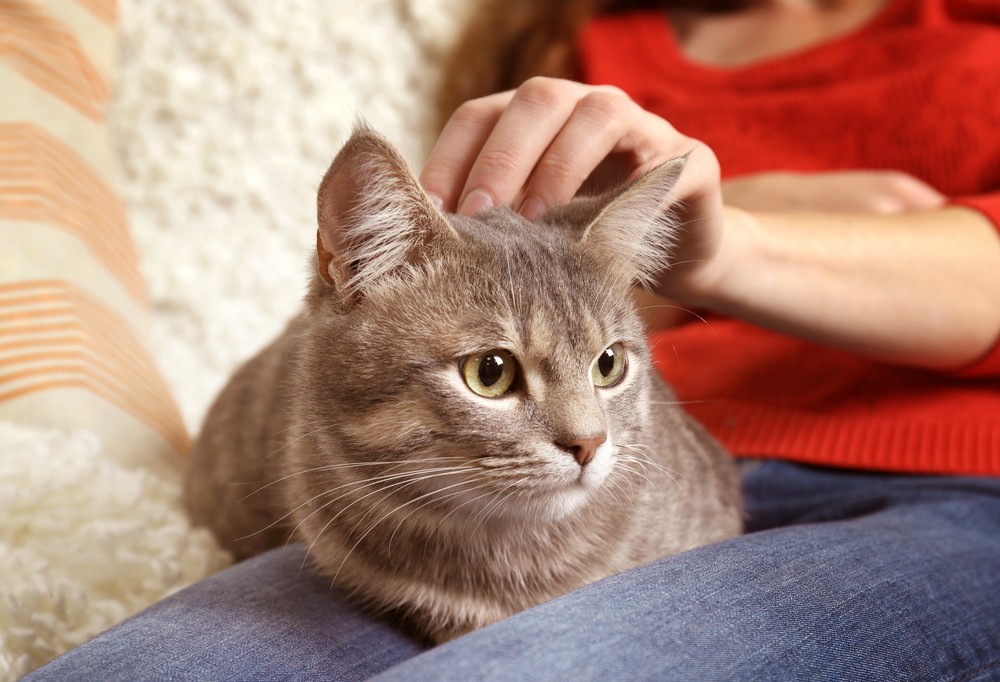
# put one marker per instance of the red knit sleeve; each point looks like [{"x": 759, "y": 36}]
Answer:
[{"x": 989, "y": 205}]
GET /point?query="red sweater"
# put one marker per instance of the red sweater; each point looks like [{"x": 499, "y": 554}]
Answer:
[{"x": 916, "y": 89}]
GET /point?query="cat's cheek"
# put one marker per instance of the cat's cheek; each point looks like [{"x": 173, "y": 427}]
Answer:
[{"x": 398, "y": 424}]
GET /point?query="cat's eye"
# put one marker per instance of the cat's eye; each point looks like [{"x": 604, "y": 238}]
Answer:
[
  {"x": 609, "y": 368},
  {"x": 490, "y": 374}
]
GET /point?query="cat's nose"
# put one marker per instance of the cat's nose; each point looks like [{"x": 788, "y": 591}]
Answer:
[{"x": 583, "y": 449}]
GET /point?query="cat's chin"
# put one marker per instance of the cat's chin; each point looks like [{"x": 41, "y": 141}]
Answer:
[
  {"x": 541, "y": 508},
  {"x": 568, "y": 501},
  {"x": 558, "y": 502},
  {"x": 568, "y": 496}
]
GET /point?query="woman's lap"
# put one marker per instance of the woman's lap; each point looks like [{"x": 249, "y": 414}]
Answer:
[
  {"x": 262, "y": 619},
  {"x": 877, "y": 577}
]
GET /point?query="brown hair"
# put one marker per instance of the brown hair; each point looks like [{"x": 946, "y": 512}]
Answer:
[{"x": 509, "y": 41}]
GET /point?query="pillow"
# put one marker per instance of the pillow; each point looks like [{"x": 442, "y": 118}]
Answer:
[
  {"x": 72, "y": 304},
  {"x": 91, "y": 441}
]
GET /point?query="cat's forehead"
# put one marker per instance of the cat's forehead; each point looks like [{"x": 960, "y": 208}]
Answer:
[
  {"x": 502, "y": 228},
  {"x": 503, "y": 253},
  {"x": 532, "y": 283},
  {"x": 500, "y": 241}
]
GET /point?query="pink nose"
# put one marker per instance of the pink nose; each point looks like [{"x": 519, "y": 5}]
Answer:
[{"x": 583, "y": 449}]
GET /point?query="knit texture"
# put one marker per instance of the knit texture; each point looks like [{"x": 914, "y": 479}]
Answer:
[{"x": 913, "y": 90}]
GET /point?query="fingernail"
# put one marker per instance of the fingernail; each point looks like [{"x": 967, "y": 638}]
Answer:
[
  {"x": 533, "y": 208},
  {"x": 437, "y": 201},
  {"x": 475, "y": 201}
]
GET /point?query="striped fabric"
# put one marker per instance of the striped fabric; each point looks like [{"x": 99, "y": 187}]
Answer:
[
  {"x": 43, "y": 49},
  {"x": 44, "y": 180},
  {"x": 72, "y": 303}
]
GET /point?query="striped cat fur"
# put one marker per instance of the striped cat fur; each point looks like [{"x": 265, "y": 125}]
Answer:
[{"x": 451, "y": 494}]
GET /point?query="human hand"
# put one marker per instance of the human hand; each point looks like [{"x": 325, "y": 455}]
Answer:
[
  {"x": 876, "y": 191},
  {"x": 536, "y": 146}
]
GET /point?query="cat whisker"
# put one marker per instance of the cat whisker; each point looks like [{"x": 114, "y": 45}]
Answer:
[
  {"x": 635, "y": 446},
  {"x": 351, "y": 465},
  {"x": 305, "y": 424},
  {"x": 439, "y": 499},
  {"x": 296, "y": 440},
  {"x": 624, "y": 456},
  {"x": 507, "y": 462},
  {"x": 395, "y": 485},
  {"x": 646, "y": 461},
  {"x": 394, "y": 480},
  {"x": 503, "y": 502},
  {"x": 434, "y": 495},
  {"x": 666, "y": 470},
  {"x": 384, "y": 517},
  {"x": 483, "y": 515},
  {"x": 615, "y": 488},
  {"x": 431, "y": 495},
  {"x": 383, "y": 477},
  {"x": 467, "y": 502},
  {"x": 623, "y": 464},
  {"x": 478, "y": 521},
  {"x": 377, "y": 479},
  {"x": 676, "y": 307},
  {"x": 679, "y": 402}
]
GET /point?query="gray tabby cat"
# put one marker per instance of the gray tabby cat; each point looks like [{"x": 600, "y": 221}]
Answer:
[{"x": 464, "y": 421}]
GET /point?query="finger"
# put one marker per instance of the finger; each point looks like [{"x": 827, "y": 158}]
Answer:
[
  {"x": 535, "y": 115},
  {"x": 606, "y": 121},
  {"x": 913, "y": 193},
  {"x": 594, "y": 130},
  {"x": 458, "y": 146},
  {"x": 879, "y": 191}
]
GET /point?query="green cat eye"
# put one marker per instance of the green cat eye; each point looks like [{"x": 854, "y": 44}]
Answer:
[
  {"x": 609, "y": 367},
  {"x": 490, "y": 374}
]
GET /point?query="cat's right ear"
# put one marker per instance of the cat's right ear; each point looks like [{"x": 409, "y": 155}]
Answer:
[
  {"x": 374, "y": 218},
  {"x": 635, "y": 231}
]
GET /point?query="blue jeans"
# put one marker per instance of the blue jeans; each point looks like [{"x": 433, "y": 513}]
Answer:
[{"x": 843, "y": 576}]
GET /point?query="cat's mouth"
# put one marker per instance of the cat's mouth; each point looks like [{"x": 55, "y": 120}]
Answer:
[
  {"x": 570, "y": 492},
  {"x": 593, "y": 474},
  {"x": 587, "y": 479}
]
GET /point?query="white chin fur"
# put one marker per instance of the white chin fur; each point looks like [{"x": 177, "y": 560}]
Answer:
[
  {"x": 593, "y": 474},
  {"x": 567, "y": 498}
]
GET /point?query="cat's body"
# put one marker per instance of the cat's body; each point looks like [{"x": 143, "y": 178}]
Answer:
[{"x": 376, "y": 430}]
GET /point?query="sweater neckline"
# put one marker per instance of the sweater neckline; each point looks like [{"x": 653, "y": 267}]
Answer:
[{"x": 662, "y": 47}]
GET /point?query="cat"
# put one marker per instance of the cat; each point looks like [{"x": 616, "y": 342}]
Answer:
[{"x": 464, "y": 420}]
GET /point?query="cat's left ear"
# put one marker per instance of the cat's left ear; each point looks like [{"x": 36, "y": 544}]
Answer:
[
  {"x": 374, "y": 217},
  {"x": 635, "y": 231}
]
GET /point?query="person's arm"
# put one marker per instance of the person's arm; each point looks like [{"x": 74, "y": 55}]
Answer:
[
  {"x": 918, "y": 288},
  {"x": 881, "y": 192}
]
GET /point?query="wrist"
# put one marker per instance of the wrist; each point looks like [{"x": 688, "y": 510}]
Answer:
[{"x": 713, "y": 284}]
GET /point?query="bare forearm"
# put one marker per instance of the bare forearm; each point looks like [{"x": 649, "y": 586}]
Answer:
[{"x": 917, "y": 288}]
